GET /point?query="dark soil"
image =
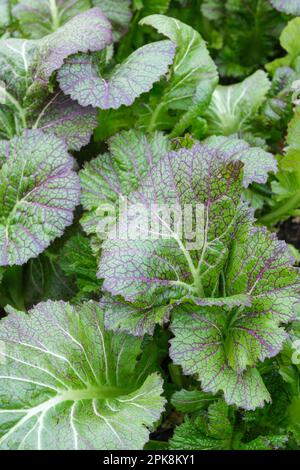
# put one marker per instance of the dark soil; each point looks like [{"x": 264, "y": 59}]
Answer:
[{"x": 290, "y": 231}]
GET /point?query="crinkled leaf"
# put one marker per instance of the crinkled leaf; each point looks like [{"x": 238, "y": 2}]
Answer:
[
  {"x": 257, "y": 162},
  {"x": 37, "y": 18},
  {"x": 234, "y": 106},
  {"x": 266, "y": 443},
  {"x": 222, "y": 345},
  {"x": 193, "y": 75},
  {"x": 68, "y": 120},
  {"x": 39, "y": 192},
  {"x": 128, "y": 318},
  {"x": 80, "y": 78},
  {"x": 292, "y": 7},
  {"x": 152, "y": 270},
  {"x": 262, "y": 267},
  {"x": 197, "y": 434},
  {"x": 198, "y": 348},
  {"x": 110, "y": 177},
  {"x": 88, "y": 31},
  {"x": 60, "y": 366}
]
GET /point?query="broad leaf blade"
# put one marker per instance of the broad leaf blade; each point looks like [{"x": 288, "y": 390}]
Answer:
[
  {"x": 198, "y": 348},
  {"x": 39, "y": 192},
  {"x": 61, "y": 366},
  {"x": 67, "y": 120},
  {"x": 37, "y": 18},
  {"x": 80, "y": 78},
  {"x": 88, "y": 31},
  {"x": 109, "y": 178},
  {"x": 233, "y": 106}
]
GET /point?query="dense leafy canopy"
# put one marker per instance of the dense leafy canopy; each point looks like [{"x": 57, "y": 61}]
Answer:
[{"x": 149, "y": 153}]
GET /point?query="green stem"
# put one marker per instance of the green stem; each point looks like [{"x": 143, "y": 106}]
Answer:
[
  {"x": 16, "y": 104},
  {"x": 281, "y": 211},
  {"x": 54, "y": 15},
  {"x": 152, "y": 124}
]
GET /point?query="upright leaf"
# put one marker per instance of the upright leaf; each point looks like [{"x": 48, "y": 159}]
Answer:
[
  {"x": 233, "y": 107},
  {"x": 193, "y": 75}
]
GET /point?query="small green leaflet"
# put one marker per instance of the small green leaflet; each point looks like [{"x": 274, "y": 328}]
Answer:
[
  {"x": 234, "y": 106},
  {"x": 67, "y": 384}
]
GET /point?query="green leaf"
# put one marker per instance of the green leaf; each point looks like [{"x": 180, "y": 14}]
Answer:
[
  {"x": 77, "y": 261},
  {"x": 148, "y": 270},
  {"x": 193, "y": 75},
  {"x": 67, "y": 384},
  {"x": 118, "y": 12},
  {"x": 189, "y": 401},
  {"x": 88, "y": 31},
  {"x": 37, "y": 18},
  {"x": 39, "y": 192},
  {"x": 266, "y": 443},
  {"x": 233, "y": 107},
  {"x": 81, "y": 79},
  {"x": 199, "y": 434},
  {"x": 107, "y": 179},
  {"x": 291, "y": 159},
  {"x": 289, "y": 40}
]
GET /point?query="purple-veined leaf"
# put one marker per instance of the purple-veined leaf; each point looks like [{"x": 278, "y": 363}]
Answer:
[
  {"x": 210, "y": 175},
  {"x": 198, "y": 348},
  {"x": 59, "y": 365},
  {"x": 112, "y": 176},
  {"x": 222, "y": 344},
  {"x": 292, "y": 7},
  {"x": 39, "y": 192},
  {"x": 153, "y": 270},
  {"x": 67, "y": 120},
  {"x": 128, "y": 318},
  {"x": 257, "y": 162},
  {"x": 88, "y": 31},
  {"x": 80, "y": 78}
]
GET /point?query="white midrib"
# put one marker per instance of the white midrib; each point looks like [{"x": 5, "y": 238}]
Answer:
[{"x": 91, "y": 393}]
